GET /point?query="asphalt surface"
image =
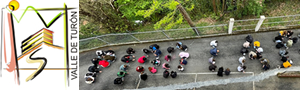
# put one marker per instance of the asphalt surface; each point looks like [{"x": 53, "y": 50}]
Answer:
[{"x": 229, "y": 47}]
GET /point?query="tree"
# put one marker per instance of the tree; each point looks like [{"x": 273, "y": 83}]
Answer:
[
  {"x": 106, "y": 13},
  {"x": 169, "y": 8}
]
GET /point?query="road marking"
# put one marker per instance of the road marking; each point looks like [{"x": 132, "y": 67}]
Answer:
[
  {"x": 137, "y": 87},
  {"x": 253, "y": 82},
  {"x": 192, "y": 42},
  {"x": 195, "y": 80}
]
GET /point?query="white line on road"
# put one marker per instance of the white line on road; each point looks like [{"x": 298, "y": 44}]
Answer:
[
  {"x": 137, "y": 87},
  {"x": 253, "y": 82},
  {"x": 192, "y": 42}
]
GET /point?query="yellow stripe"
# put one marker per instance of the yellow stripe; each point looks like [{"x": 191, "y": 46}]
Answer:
[
  {"x": 37, "y": 35},
  {"x": 31, "y": 43},
  {"x": 35, "y": 45},
  {"x": 35, "y": 41},
  {"x": 48, "y": 38},
  {"x": 31, "y": 48},
  {"x": 48, "y": 33},
  {"x": 65, "y": 42},
  {"x": 31, "y": 38}
]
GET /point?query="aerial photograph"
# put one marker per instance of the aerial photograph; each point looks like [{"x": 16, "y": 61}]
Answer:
[{"x": 189, "y": 44}]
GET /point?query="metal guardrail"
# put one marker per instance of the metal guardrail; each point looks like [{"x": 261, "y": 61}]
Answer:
[{"x": 172, "y": 34}]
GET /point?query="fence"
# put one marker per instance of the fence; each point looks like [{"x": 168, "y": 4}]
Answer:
[{"x": 262, "y": 23}]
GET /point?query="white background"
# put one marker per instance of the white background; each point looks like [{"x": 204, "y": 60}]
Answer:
[{"x": 28, "y": 25}]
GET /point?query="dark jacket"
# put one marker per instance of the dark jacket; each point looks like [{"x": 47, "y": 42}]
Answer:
[
  {"x": 278, "y": 38},
  {"x": 184, "y": 47},
  {"x": 212, "y": 67},
  {"x": 173, "y": 74},
  {"x": 249, "y": 38},
  {"x": 213, "y": 51},
  {"x": 266, "y": 67},
  {"x": 96, "y": 61},
  {"x": 118, "y": 80},
  {"x": 244, "y": 50},
  {"x": 130, "y": 51},
  {"x": 259, "y": 56},
  {"x": 126, "y": 60},
  {"x": 144, "y": 76},
  {"x": 166, "y": 74},
  {"x": 183, "y": 62},
  {"x": 158, "y": 52},
  {"x": 170, "y": 49},
  {"x": 227, "y": 72},
  {"x": 220, "y": 72},
  {"x": 93, "y": 69},
  {"x": 284, "y": 59}
]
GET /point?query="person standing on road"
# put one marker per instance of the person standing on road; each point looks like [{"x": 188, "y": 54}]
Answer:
[
  {"x": 212, "y": 60},
  {"x": 256, "y": 44},
  {"x": 290, "y": 33},
  {"x": 214, "y": 43},
  {"x": 152, "y": 69},
  {"x": 173, "y": 74},
  {"x": 241, "y": 68},
  {"x": 266, "y": 66},
  {"x": 156, "y": 62},
  {"x": 286, "y": 64},
  {"x": 168, "y": 58},
  {"x": 246, "y": 44},
  {"x": 184, "y": 54},
  {"x": 214, "y": 51},
  {"x": 220, "y": 72},
  {"x": 130, "y": 51},
  {"x": 166, "y": 66},
  {"x": 227, "y": 71},
  {"x": 242, "y": 60},
  {"x": 142, "y": 59},
  {"x": 143, "y": 76},
  {"x": 289, "y": 43},
  {"x": 182, "y": 61},
  {"x": 284, "y": 58},
  {"x": 178, "y": 45},
  {"x": 90, "y": 77},
  {"x": 139, "y": 68},
  {"x": 128, "y": 58},
  {"x": 252, "y": 55},
  {"x": 244, "y": 51},
  {"x": 249, "y": 38},
  {"x": 180, "y": 68},
  {"x": 166, "y": 74},
  {"x": 156, "y": 52},
  {"x": 170, "y": 50},
  {"x": 212, "y": 67},
  {"x": 95, "y": 61},
  {"x": 282, "y": 53},
  {"x": 124, "y": 67}
]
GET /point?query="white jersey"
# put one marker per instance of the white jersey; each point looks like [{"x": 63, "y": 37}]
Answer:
[{"x": 213, "y": 43}]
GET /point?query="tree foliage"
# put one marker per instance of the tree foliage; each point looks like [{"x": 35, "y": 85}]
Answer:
[
  {"x": 106, "y": 13},
  {"x": 248, "y": 7},
  {"x": 168, "y": 7}
]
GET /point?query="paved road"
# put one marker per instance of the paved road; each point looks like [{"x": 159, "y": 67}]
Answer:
[{"x": 229, "y": 47}]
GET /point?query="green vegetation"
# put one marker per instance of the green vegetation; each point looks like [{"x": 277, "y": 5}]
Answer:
[{"x": 99, "y": 17}]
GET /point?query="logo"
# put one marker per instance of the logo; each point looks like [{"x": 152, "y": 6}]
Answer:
[{"x": 39, "y": 44}]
